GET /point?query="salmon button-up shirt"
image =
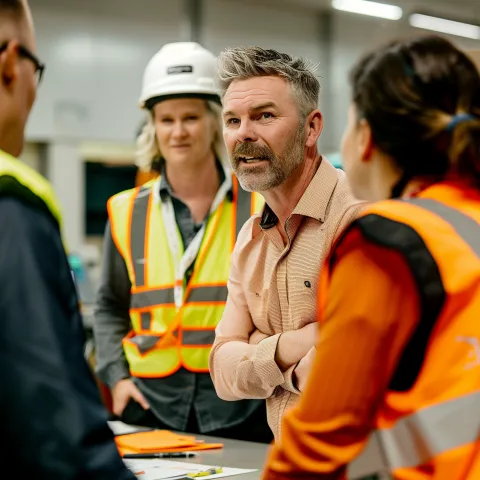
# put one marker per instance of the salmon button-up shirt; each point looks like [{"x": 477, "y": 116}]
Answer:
[{"x": 273, "y": 289}]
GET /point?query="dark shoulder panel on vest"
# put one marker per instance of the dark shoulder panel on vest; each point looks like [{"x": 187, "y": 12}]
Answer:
[
  {"x": 407, "y": 241},
  {"x": 11, "y": 187}
]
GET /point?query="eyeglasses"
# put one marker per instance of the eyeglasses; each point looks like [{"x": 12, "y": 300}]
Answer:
[{"x": 26, "y": 53}]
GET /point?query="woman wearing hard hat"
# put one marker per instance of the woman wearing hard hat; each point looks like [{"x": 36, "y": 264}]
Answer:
[
  {"x": 397, "y": 370},
  {"x": 166, "y": 260}
]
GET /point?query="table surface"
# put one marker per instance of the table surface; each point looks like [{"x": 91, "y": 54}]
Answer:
[
  {"x": 234, "y": 454},
  {"x": 251, "y": 455}
]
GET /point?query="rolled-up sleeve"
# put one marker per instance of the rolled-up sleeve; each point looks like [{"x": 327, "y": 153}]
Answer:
[
  {"x": 362, "y": 337},
  {"x": 241, "y": 370}
]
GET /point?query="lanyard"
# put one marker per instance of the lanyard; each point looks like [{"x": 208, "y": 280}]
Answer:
[{"x": 183, "y": 263}]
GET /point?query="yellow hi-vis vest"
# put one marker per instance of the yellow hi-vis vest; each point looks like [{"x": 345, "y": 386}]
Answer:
[
  {"x": 164, "y": 336},
  {"x": 20, "y": 180}
]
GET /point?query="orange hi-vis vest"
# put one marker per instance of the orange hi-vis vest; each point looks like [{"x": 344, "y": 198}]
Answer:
[
  {"x": 170, "y": 332},
  {"x": 428, "y": 424}
]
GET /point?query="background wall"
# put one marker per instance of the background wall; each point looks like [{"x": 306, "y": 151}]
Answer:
[{"x": 95, "y": 51}]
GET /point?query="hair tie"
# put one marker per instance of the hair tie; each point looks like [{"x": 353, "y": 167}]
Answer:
[{"x": 459, "y": 118}]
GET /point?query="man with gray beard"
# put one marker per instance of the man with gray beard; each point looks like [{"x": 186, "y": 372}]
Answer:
[{"x": 265, "y": 342}]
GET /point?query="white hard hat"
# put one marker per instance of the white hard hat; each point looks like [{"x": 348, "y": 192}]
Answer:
[{"x": 182, "y": 69}]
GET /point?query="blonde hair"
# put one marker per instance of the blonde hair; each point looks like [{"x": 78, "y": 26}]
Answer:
[{"x": 147, "y": 149}]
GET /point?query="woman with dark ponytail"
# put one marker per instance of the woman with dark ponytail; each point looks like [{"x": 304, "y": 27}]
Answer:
[{"x": 396, "y": 379}]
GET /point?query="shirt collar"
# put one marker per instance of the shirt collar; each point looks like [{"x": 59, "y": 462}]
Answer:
[
  {"x": 314, "y": 201},
  {"x": 165, "y": 188}
]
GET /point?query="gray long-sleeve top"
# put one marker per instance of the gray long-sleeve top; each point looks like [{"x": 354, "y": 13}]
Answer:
[{"x": 171, "y": 398}]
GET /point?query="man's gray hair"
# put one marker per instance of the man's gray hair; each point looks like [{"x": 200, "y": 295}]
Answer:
[{"x": 241, "y": 63}]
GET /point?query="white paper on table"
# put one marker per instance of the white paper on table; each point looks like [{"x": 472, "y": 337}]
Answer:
[
  {"x": 158, "y": 469},
  {"x": 120, "y": 428}
]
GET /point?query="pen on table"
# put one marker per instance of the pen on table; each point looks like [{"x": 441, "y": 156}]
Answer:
[{"x": 160, "y": 455}]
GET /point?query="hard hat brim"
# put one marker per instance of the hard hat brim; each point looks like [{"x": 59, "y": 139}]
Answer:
[{"x": 151, "y": 102}]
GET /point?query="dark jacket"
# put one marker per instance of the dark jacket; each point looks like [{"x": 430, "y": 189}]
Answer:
[{"x": 53, "y": 422}]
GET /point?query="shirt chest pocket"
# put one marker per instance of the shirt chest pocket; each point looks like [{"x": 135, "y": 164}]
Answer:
[
  {"x": 307, "y": 289},
  {"x": 303, "y": 302}
]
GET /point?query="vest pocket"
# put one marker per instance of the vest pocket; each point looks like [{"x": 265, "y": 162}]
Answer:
[{"x": 146, "y": 343}]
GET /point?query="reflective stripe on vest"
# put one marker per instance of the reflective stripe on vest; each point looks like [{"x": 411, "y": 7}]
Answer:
[
  {"x": 138, "y": 232},
  {"x": 467, "y": 228},
  {"x": 418, "y": 438},
  {"x": 189, "y": 337},
  {"x": 161, "y": 296}
]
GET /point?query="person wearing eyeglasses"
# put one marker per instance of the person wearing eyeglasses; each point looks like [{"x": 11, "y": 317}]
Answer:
[
  {"x": 51, "y": 416},
  {"x": 24, "y": 52}
]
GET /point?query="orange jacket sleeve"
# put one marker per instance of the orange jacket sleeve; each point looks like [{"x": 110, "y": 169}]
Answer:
[{"x": 371, "y": 311}]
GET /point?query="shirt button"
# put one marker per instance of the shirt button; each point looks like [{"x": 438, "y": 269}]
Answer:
[{"x": 307, "y": 284}]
